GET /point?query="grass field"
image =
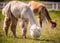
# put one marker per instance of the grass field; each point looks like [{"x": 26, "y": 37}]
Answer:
[{"x": 48, "y": 34}]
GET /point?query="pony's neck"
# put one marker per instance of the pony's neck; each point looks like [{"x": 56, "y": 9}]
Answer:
[{"x": 32, "y": 19}]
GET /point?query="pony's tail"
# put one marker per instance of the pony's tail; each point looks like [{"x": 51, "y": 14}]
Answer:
[{"x": 6, "y": 9}]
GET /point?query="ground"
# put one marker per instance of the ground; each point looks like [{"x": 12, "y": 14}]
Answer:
[{"x": 48, "y": 35}]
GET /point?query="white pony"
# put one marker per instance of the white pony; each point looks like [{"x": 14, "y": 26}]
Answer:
[{"x": 15, "y": 10}]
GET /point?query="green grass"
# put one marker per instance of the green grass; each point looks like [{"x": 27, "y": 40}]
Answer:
[{"x": 48, "y": 34}]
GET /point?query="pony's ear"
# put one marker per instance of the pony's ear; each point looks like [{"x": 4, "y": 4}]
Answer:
[
  {"x": 38, "y": 27},
  {"x": 55, "y": 20},
  {"x": 33, "y": 26}
]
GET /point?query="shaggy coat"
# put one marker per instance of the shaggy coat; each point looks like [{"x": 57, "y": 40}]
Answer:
[{"x": 15, "y": 10}]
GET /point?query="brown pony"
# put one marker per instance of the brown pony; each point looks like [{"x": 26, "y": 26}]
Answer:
[{"x": 42, "y": 11}]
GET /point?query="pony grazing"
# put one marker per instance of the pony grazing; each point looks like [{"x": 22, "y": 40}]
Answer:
[
  {"x": 15, "y": 10},
  {"x": 42, "y": 11}
]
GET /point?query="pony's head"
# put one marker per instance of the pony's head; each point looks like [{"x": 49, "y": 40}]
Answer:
[
  {"x": 54, "y": 24},
  {"x": 35, "y": 31}
]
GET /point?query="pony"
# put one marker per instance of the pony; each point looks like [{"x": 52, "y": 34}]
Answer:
[
  {"x": 42, "y": 11},
  {"x": 15, "y": 10}
]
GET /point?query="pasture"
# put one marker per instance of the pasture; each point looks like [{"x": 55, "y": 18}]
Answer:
[{"x": 48, "y": 34}]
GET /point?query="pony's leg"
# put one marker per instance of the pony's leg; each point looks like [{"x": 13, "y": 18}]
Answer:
[
  {"x": 40, "y": 22},
  {"x": 24, "y": 28},
  {"x": 40, "y": 19},
  {"x": 13, "y": 26},
  {"x": 6, "y": 25}
]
